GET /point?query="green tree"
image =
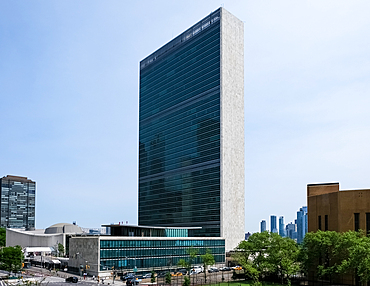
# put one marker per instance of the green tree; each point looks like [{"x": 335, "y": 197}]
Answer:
[
  {"x": 359, "y": 259},
  {"x": 60, "y": 249},
  {"x": 268, "y": 254},
  {"x": 320, "y": 252},
  {"x": 11, "y": 258},
  {"x": 183, "y": 263},
  {"x": 168, "y": 278},
  {"x": 186, "y": 281},
  {"x": 207, "y": 259},
  {"x": 152, "y": 277},
  {"x": 2, "y": 236},
  {"x": 328, "y": 253},
  {"x": 282, "y": 257},
  {"x": 253, "y": 252},
  {"x": 193, "y": 253}
]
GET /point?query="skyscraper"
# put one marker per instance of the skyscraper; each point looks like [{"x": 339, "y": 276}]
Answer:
[
  {"x": 263, "y": 226},
  {"x": 291, "y": 230},
  {"x": 191, "y": 131},
  {"x": 273, "y": 224},
  {"x": 17, "y": 202},
  {"x": 301, "y": 224},
  {"x": 281, "y": 226}
]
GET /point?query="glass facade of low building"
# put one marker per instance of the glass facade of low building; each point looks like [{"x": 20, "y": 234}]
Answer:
[
  {"x": 17, "y": 202},
  {"x": 155, "y": 253},
  {"x": 179, "y": 131}
]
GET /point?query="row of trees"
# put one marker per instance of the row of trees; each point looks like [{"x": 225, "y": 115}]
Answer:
[
  {"x": 207, "y": 259},
  {"x": 322, "y": 254}
]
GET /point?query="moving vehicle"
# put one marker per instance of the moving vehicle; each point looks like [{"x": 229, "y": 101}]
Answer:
[
  {"x": 132, "y": 282},
  {"x": 176, "y": 274},
  {"x": 148, "y": 275},
  {"x": 237, "y": 267},
  {"x": 72, "y": 279}
]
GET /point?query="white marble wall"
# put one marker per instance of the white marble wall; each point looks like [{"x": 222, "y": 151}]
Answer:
[
  {"x": 82, "y": 249},
  {"x": 232, "y": 129}
]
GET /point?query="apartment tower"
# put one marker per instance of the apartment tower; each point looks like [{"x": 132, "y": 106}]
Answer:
[
  {"x": 17, "y": 202},
  {"x": 191, "y": 131}
]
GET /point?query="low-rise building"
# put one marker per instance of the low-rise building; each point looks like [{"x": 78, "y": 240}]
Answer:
[
  {"x": 140, "y": 248},
  {"x": 49, "y": 237}
]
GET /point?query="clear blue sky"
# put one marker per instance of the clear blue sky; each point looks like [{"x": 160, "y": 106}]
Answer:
[{"x": 69, "y": 100}]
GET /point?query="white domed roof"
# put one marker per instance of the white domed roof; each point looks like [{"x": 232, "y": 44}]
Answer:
[{"x": 63, "y": 228}]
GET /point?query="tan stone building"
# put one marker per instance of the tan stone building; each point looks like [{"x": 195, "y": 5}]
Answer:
[{"x": 338, "y": 210}]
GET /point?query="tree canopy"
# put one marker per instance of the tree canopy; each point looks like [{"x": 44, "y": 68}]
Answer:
[
  {"x": 328, "y": 253},
  {"x": 268, "y": 254},
  {"x": 11, "y": 258}
]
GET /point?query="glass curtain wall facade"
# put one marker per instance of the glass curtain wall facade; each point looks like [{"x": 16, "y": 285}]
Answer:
[
  {"x": 179, "y": 131},
  {"x": 273, "y": 227},
  {"x": 146, "y": 254},
  {"x": 17, "y": 202},
  {"x": 301, "y": 224}
]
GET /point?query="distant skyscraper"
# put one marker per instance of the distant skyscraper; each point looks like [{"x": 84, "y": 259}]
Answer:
[
  {"x": 17, "y": 202},
  {"x": 191, "y": 131},
  {"x": 263, "y": 226},
  {"x": 273, "y": 224},
  {"x": 291, "y": 230},
  {"x": 281, "y": 226},
  {"x": 301, "y": 224},
  {"x": 247, "y": 235}
]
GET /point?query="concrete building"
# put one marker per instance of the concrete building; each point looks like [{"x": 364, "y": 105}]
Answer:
[
  {"x": 338, "y": 210},
  {"x": 49, "y": 237},
  {"x": 141, "y": 247},
  {"x": 263, "y": 226},
  {"x": 17, "y": 203},
  {"x": 191, "y": 131}
]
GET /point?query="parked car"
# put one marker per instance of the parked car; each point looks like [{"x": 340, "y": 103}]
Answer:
[
  {"x": 183, "y": 271},
  {"x": 72, "y": 279},
  {"x": 128, "y": 276},
  {"x": 213, "y": 269},
  {"x": 132, "y": 282},
  {"x": 161, "y": 275}
]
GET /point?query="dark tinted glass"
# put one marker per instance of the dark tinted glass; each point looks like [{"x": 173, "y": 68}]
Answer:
[
  {"x": 179, "y": 136},
  {"x": 126, "y": 254}
]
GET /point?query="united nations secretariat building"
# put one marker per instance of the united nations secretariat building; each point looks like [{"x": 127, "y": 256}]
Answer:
[{"x": 191, "y": 154}]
